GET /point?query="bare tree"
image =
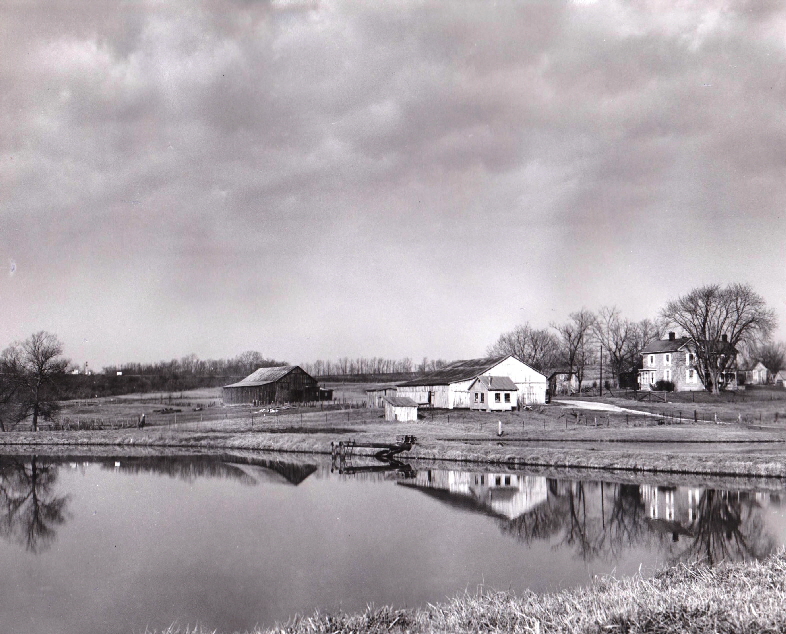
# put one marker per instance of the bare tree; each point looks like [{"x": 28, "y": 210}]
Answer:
[
  {"x": 615, "y": 336},
  {"x": 576, "y": 339},
  {"x": 719, "y": 321},
  {"x": 539, "y": 349},
  {"x": 36, "y": 365}
]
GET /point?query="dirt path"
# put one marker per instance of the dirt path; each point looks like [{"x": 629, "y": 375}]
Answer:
[{"x": 603, "y": 407}]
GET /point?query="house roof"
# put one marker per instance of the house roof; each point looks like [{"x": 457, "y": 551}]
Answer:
[
  {"x": 263, "y": 376},
  {"x": 400, "y": 401},
  {"x": 456, "y": 371},
  {"x": 665, "y": 345},
  {"x": 497, "y": 383}
]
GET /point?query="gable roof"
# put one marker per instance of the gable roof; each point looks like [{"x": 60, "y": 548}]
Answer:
[
  {"x": 674, "y": 345},
  {"x": 456, "y": 371},
  {"x": 496, "y": 383},
  {"x": 262, "y": 376},
  {"x": 665, "y": 345},
  {"x": 400, "y": 401}
]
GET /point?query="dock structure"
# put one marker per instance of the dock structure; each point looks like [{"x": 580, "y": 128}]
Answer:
[
  {"x": 341, "y": 453},
  {"x": 346, "y": 448}
]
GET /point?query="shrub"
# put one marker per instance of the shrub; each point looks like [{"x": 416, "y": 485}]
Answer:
[{"x": 664, "y": 386}]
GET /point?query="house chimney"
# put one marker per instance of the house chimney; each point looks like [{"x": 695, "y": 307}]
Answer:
[
  {"x": 672, "y": 336},
  {"x": 725, "y": 338}
]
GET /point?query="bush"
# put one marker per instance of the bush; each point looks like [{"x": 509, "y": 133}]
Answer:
[{"x": 664, "y": 386}]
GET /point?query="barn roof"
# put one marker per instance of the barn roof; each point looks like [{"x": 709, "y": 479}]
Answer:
[
  {"x": 498, "y": 383},
  {"x": 400, "y": 401},
  {"x": 456, "y": 371},
  {"x": 263, "y": 376}
]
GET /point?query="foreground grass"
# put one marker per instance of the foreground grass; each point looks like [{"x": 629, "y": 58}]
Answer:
[{"x": 738, "y": 598}]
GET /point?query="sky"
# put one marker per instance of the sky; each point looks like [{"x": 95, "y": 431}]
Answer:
[{"x": 319, "y": 179}]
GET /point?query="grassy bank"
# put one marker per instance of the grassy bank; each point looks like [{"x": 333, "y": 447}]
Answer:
[
  {"x": 739, "y": 598},
  {"x": 673, "y": 441},
  {"x": 537, "y": 438}
]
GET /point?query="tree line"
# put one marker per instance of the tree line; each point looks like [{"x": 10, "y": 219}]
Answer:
[{"x": 721, "y": 322}]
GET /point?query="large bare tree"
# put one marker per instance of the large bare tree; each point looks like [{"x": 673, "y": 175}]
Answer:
[
  {"x": 576, "y": 337},
  {"x": 720, "y": 320},
  {"x": 539, "y": 349},
  {"x": 34, "y": 368}
]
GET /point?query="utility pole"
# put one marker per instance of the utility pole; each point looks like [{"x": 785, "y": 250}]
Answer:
[{"x": 601, "y": 370}]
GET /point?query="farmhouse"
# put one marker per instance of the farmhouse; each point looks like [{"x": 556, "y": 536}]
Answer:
[
  {"x": 674, "y": 360},
  {"x": 400, "y": 408},
  {"x": 448, "y": 387},
  {"x": 281, "y": 384},
  {"x": 493, "y": 394}
]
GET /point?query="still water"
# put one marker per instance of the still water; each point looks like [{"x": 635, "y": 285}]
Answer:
[{"x": 129, "y": 543}]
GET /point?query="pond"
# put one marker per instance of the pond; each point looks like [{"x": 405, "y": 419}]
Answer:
[{"x": 126, "y": 543}]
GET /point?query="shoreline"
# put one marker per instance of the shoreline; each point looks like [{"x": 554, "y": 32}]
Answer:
[{"x": 593, "y": 455}]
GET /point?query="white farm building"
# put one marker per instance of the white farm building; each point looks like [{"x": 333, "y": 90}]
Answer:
[{"x": 449, "y": 387}]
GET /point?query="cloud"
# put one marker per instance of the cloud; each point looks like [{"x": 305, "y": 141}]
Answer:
[{"x": 226, "y": 161}]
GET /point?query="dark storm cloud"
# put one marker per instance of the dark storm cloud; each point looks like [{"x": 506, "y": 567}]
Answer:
[{"x": 255, "y": 172}]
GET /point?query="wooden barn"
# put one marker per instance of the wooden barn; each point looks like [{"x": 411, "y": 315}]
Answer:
[
  {"x": 281, "y": 384},
  {"x": 375, "y": 396},
  {"x": 448, "y": 387},
  {"x": 400, "y": 408}
]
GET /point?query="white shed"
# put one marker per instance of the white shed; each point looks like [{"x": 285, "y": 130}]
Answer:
[{"x": 400, "y": 408}]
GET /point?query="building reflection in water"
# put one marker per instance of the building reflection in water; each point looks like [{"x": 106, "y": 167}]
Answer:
[{"x": 601, "y": 520}]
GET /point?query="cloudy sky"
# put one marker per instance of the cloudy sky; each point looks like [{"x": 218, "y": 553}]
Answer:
[{"x": 317, "y": 179}]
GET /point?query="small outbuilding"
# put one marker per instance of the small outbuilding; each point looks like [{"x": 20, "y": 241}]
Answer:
[
  {"x": 400, "y": 408},
  {"x": 493, "y": 394}
]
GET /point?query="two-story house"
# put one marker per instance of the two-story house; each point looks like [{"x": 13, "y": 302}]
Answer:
[{"x": 674, "y": 360}]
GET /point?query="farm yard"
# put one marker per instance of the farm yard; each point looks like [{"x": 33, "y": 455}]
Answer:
[{"x": 711, "y": 435}]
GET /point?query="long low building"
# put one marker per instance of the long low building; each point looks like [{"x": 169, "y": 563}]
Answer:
[
  {"x": 280, "y": 384},
  {"x": 449, "y": 387}
]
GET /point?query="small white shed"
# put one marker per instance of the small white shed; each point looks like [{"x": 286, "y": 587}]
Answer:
[{"x": 400, "y": 408}]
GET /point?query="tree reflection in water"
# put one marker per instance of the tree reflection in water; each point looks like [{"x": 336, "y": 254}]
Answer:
[
  {"x": 30, "y": 511},
  {"x": 728, "y": 526},
  {"x": 600, "y": 520}
]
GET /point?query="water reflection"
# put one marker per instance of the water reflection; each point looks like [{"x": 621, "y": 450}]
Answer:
[
  {"x": 600, "y": 520},
  {"x": 249, "y": 471},
  {"x": 30, "y": 510},
  {"x": 595, "y": 520}
]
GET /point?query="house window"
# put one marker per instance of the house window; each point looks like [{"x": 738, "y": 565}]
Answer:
[
  {"x": 497, "y": 398},
  {"x": 667, "y": 375},
  {"x": 668, "y": 359},
  {"x": 482, "y": 396},
  {"x": 691, "y": 376},
  {"x": 652, "y": 359},
  {"x": 507, "y": 397},
  {"x": 689, "y": 358},
  {"x": 476, "y": 397}
]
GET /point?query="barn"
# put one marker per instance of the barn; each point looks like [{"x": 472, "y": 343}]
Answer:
[
  {"x": 448, "y": 387},
  {"x": 280, "y": 384}
]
